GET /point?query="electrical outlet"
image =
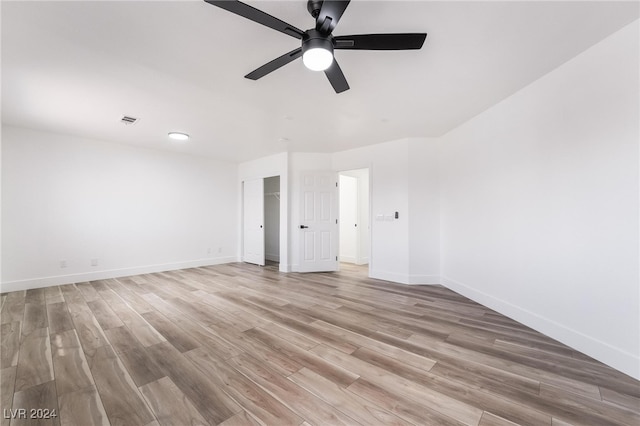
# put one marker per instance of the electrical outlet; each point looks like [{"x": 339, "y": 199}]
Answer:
[
  {"x": 94, "y": 262},
  {"x": 219, "y": 249},
  {"x": 209, "y": 250},
  {"x": 63, "y": 263}
]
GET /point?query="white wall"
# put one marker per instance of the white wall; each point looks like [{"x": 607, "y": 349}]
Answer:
[
  {"x": 273, "y": 165},
  {"x": 403, "y": 178},
  {"x": 424, "y": 211},
  {"x": 135, "y": 210},
  {"x": 388, "y": 168},
  {"x": 540, "y": 204},
  {"x": 272, "y": 219}
]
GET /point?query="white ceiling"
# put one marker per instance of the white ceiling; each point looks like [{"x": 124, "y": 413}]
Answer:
[{"x": 77, "y": 67}]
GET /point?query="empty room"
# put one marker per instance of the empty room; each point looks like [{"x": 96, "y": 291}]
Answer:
[{"x": 320, "y": 213}]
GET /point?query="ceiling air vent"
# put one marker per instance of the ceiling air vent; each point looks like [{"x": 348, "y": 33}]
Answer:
[{"x": 129, "y": 120}]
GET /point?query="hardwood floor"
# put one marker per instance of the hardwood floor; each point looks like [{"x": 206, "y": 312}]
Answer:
[{"x": 242, "y": 345}]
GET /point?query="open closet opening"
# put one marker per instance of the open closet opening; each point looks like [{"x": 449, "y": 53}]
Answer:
[
  {"x": 272, "y": 220},
  {"x": 261, "y": 221}
]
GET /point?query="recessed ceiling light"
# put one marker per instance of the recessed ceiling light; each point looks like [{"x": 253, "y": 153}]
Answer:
[{"x": 178, "y": 136}]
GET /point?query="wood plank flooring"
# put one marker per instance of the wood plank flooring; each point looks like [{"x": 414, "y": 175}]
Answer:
[{"x": 238, "y": 344}]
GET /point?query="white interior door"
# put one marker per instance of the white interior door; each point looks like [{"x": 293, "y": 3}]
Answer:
[
  {"x": 348, "y": 223},
  {"x": 319, "y": 222},
  {"x": 253, "y": 221}
]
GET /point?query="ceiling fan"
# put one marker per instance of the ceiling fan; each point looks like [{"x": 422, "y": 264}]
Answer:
[{"x": 318, "y": 43}]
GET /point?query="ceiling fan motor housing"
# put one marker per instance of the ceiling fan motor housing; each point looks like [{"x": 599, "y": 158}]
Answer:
[
  {"x": 313, "y": 39},
  {"x": 314, "y": 6}
]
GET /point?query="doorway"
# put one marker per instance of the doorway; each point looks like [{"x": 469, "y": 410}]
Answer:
[
  {"x": 355, "y": 235},
  {"x": 261, "y": 221},
  {"x": 272, "y": 220}
]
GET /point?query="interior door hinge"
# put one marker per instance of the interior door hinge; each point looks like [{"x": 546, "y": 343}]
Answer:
[
  {"x": 336, "y": 184},
  {"x": 336, "y": 221},
  {"x": 336, "y": 258}
]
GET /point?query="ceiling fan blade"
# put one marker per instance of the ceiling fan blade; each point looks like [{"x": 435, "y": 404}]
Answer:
[
  {"x": 336, "y": 77},
  {"x": 330, "y": 14},
  {"x": 380, "y": 41},
  {"x": 258, "y": 16},
  {"x": 275, "y": 64}
]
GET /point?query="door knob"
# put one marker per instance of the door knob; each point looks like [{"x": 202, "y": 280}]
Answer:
[{"x": 303, "y": 226}]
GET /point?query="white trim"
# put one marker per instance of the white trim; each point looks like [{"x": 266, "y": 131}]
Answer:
[
  {"x": 615, "y": 357},
  {"x": 111, "y": 273},
  {"x": 298, "y": 269},
  {"x": 284, "y": 268},
  {"x": 406, "y": 279},
  {"x": 390, "y": 276},
  {"x": 348, "y": 259},
  {"x": 425, "y": 280}
]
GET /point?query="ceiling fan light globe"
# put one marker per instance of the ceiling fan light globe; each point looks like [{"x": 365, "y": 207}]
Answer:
[{"x": 317, "y": 59}]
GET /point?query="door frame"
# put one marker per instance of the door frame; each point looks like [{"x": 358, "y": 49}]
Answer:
[
  {"x": 369, "y": 231},
  {"x": 243, "y": 257},
  {"x": 284, "y": 216},
  {"x": 354, "y": 228}
]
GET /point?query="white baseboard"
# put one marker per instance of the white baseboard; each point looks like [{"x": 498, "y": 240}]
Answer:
[
  {"x": 40, "y": 282},
  {"x": 614, "y": 357},
  {"x": 362, "y": 261},
  {"x": 355, "y": 260},
  {"x": 284, "y": 267},
  {"x": 406, "y": 278},
  {"x": 425, "y": 280},
  {"x": 390, "y": 276}
]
